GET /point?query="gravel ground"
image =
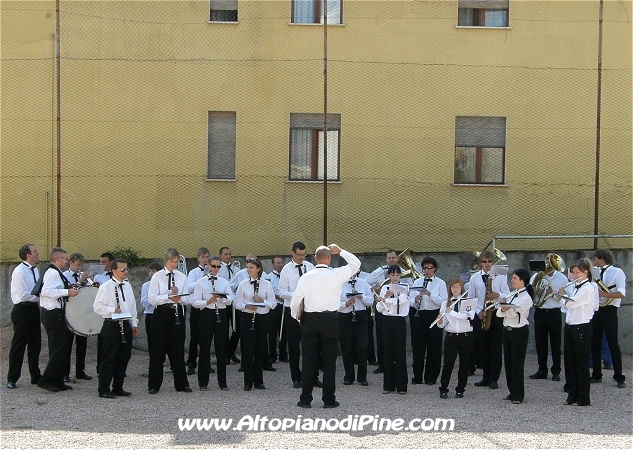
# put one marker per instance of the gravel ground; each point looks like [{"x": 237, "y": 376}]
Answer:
[{"x": 34, "y": 418}]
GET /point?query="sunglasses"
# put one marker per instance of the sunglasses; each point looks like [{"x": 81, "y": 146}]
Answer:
[
  {"x": 484, "y": 261},
  {"x": 428, "y": 268},
  {"x": 214, "y": 266},
  {"x": 125, "y": 269}
]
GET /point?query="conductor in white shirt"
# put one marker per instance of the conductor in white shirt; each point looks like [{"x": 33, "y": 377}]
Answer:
[{"x": 319, "y": 292}]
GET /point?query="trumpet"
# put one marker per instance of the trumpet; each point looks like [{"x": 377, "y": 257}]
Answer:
[{"x": 441, "y": 316}]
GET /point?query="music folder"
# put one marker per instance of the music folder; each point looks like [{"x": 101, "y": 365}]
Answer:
[
  {"x": 537, "y": 265},
  {"x": 259, "y": 305},
  {"x": 183, "y": 294},
  {"x": 96, "y": 269},
  {"x": 353, "y": 294},
  {"x": 399, "y": 289},
  {"x": 468, "y": 304},
  {"x": 121, "y": 316}
]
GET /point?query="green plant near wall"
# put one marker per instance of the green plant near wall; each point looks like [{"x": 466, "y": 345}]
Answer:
[{"x": 132, "y": 256}]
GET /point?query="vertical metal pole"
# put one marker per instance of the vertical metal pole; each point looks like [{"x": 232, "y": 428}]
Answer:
[
  {"x": 59, "y": 123},
  {"x": 598, "y": 101},
  {"x": 325, "y": 149}
]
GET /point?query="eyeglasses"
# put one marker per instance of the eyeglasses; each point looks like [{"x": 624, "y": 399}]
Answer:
[
  {"x": 428, "y": 268},
  {"x": 484, "y": 261},
  {"x": 214, "y": 266},
  {"x": 125, "y": 269}
]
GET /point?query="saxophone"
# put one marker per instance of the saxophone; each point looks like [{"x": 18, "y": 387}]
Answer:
[{"x": 488, "y": 312}]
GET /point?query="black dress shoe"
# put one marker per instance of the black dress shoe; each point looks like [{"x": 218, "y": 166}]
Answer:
[
  {"x": 555, "y": 377},
  {"x": 228, "y": 361},
  {"x": 317, "y": 383},
  {"x": 122, "y": 393},
  {"x": 65, "y": 387},
  {"x": 153, "y": 391},
  {"x": 83, "y": 376},
  {"x": 471, "y": 372},
  {"x": 415, "y": 381},
  {"x": 296, "y": 384},
  {"x": 36, "y": 380},
  {"x": 66, "y": 379},
  {"x": 284, "y": 359},
  {"x": 191, "y": 371},
  {"x": 595, "y": 380},
  {"x": 347, "y": 382},
  {"x": 334, "y": 404},
  {"x": 304, "y": 405},
  {"x": 372, "y": 363},
  {"x": 363, "y": 383},
  {"x": 241, "y": 369},
  {"x": 247, "y": 388},
  {"x": 378, "y": 369},
  {"x": 11, "y": 385},
  {"x": 482, "y": 383},
  {"x": 270, "y": 368},
  {"x": 430, "y": 383},
  {"x": 459, "y": 395},
  {"x": 494, "y": 385},
  {"x": 260, "y": 386},
  {"x": 443, "y": 394},
  {"x": 49, "y": 387},
  {"x": 211, "y": 369},
  {"x": 235, "y": 359},
  {"x": 538, "y": 375},
  {"x": 186, "y": 389},
  {"x": 621, "y": 384},
  {"x": 107, "y": 395}
]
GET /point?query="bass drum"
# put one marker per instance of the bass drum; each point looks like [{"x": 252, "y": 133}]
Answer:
[{"x": 81, "y": 318}]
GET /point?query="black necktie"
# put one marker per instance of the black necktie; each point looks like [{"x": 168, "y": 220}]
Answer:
[
  {"x": 300, "y": 267},
  {"x": 456, "y": 308},
  {"x": 122, "y": 293},
  {"x": 213, "y": 278},
  {"x": 228, "y": 267},
  {"x": 201, "y": 268},
  {"x": 278, "y": 275},
  {"x": 485, "y": 278},
  {"x": 602, "y": 270},
  {"x": 170, "y": 281},
  {"x": 109, "y": 274},
  {"x": 33, "y": 273},
  {"x": 76, "y": 277}
]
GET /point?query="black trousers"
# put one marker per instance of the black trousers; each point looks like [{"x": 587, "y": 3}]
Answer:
[
  {"x": 491, "y": 356},
  {"x": 319, "y": 343},
  {"x": 115, "y": 355},
  {"x": 283, "y": 342},
  {"x": 380, "y": 351},
  {"x": 456, "y": 344},
  {"x": 577, "y": 344},
  {"x": 58, "y": 336},
  {"x": 606, "y": 320},
  {"x": 273, "y": 332},
  {"x": 167, "y": 339},
  {"x": 475, "y": 356},
  {"x": 394, "y": 339},
  {"x": 353, "y": 337},
  {"x": 254, "y": 347},
  {"x": 208, "y": 327},
  {"x": 292, "y": 329},
  {"x": 26, "y": 332},
  {"x": 80, "y": 354},
  {"x": 148, "y": 330},
  {"x": 194, "y": 319},
  {"x": 548, "y": 324},
  {"x": 426, "y": 342},
  {"x": 515, "y": 343},
  {"x": 234, "y": 340},
  {"x": 371, "y": 348}
]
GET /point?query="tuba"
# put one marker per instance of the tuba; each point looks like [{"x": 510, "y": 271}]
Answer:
[
  {"x": 541, "y": 282},
  {"x": 604, "y": 301}
]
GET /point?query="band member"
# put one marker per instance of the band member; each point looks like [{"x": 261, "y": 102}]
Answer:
[
  {"x": 425, "y": 307},
  {"x": 194, "y": 314},
  {"x": 168, "y": 324},
  {"x": 577, "y": 337},
  {"x": 149, "y": 308},
  {"x": 605, "y": 320},
  {"x": 255, "y": 297},
  {"x": 25, "y": 316},
  {"x": 288, "y": 279},
  {"x": 318, "y": 294},
  {"x": 115, "y": 296},
  {"x": 393, "y": 303},
  {"x": 77, "y": 278},
  {"x": 352, "y": 319},
  {"x": 548, "y": 322},
  {"x": 516, "y": 332},
  {"x": 55, "y": 293},
  {"x": 105, "y": 260},
  {"x": 487, "y": 286},
  {"x": 211, "y": 295},
  {"x": 275, "y": 316},
  {"x": 459, "y": 338},
  {"x": 227, "y": 272}
]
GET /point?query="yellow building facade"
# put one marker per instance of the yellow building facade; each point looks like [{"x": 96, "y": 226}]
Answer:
[{"x": 199, "y": 123}]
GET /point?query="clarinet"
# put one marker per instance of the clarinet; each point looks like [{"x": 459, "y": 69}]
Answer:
[
  {"x": 218, "y": 319},
  {"x": 417, "y": 310},
  {"x": 255, "y": 292},
  {"x": 353, "y": 283},
  {"x": 118, "y": 305},
  {"x": 173, "y": 283}
]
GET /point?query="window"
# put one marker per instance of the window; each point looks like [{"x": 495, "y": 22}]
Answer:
[
  {"x": 480, "y": 150},
  {"x": 483, "y": 13},
  {"x": 311, "y": 11},
  {"x": 307, "y": 146},
  {"x": 223, "y": 11},
  {"x": 221, "y": 146}
]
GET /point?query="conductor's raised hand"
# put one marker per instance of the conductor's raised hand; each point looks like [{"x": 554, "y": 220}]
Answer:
[{"x": 334, "y": 249}]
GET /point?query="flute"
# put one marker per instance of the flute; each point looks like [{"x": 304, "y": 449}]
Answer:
[{"x": 441, "y": 316}]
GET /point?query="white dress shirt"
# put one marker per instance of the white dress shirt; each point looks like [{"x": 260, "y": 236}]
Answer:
[
  {"x": 557, "y": 280},
  {"x": 22, "y": 283},
  {"x": 360, "y": 304},
  {"x": 245, "y": 294},
  {"x": 582, "y": 308},
  {"x": 516, "y": 318},
  {"x": 106, "y": 300},
  {"x": 205, "y": 288},
  {"x": 227, "y": 271},
  {"x": 390, "y": 306},
  {"x": 274, "y": 277},
  {"x": 379, "y": 275},
  {"x": 477, "y": 288},
  {"x": 149, "y": 308},
  {"x": 614, "y": 276},
  {"x": 241, "y": 276},
  {"x": 456, "y": 322},
  {"x": 102, "y": 278},
  {"x": 320, "y": 289},
  {"x": 53, "y": 289},
  {"x": 193, "y": 276},
  {"x": 289, "y": 277},
  {"x": 436, "y": 286},
  {"x": 70, "y": 276},
  {"x": 159, "y": 290}
]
